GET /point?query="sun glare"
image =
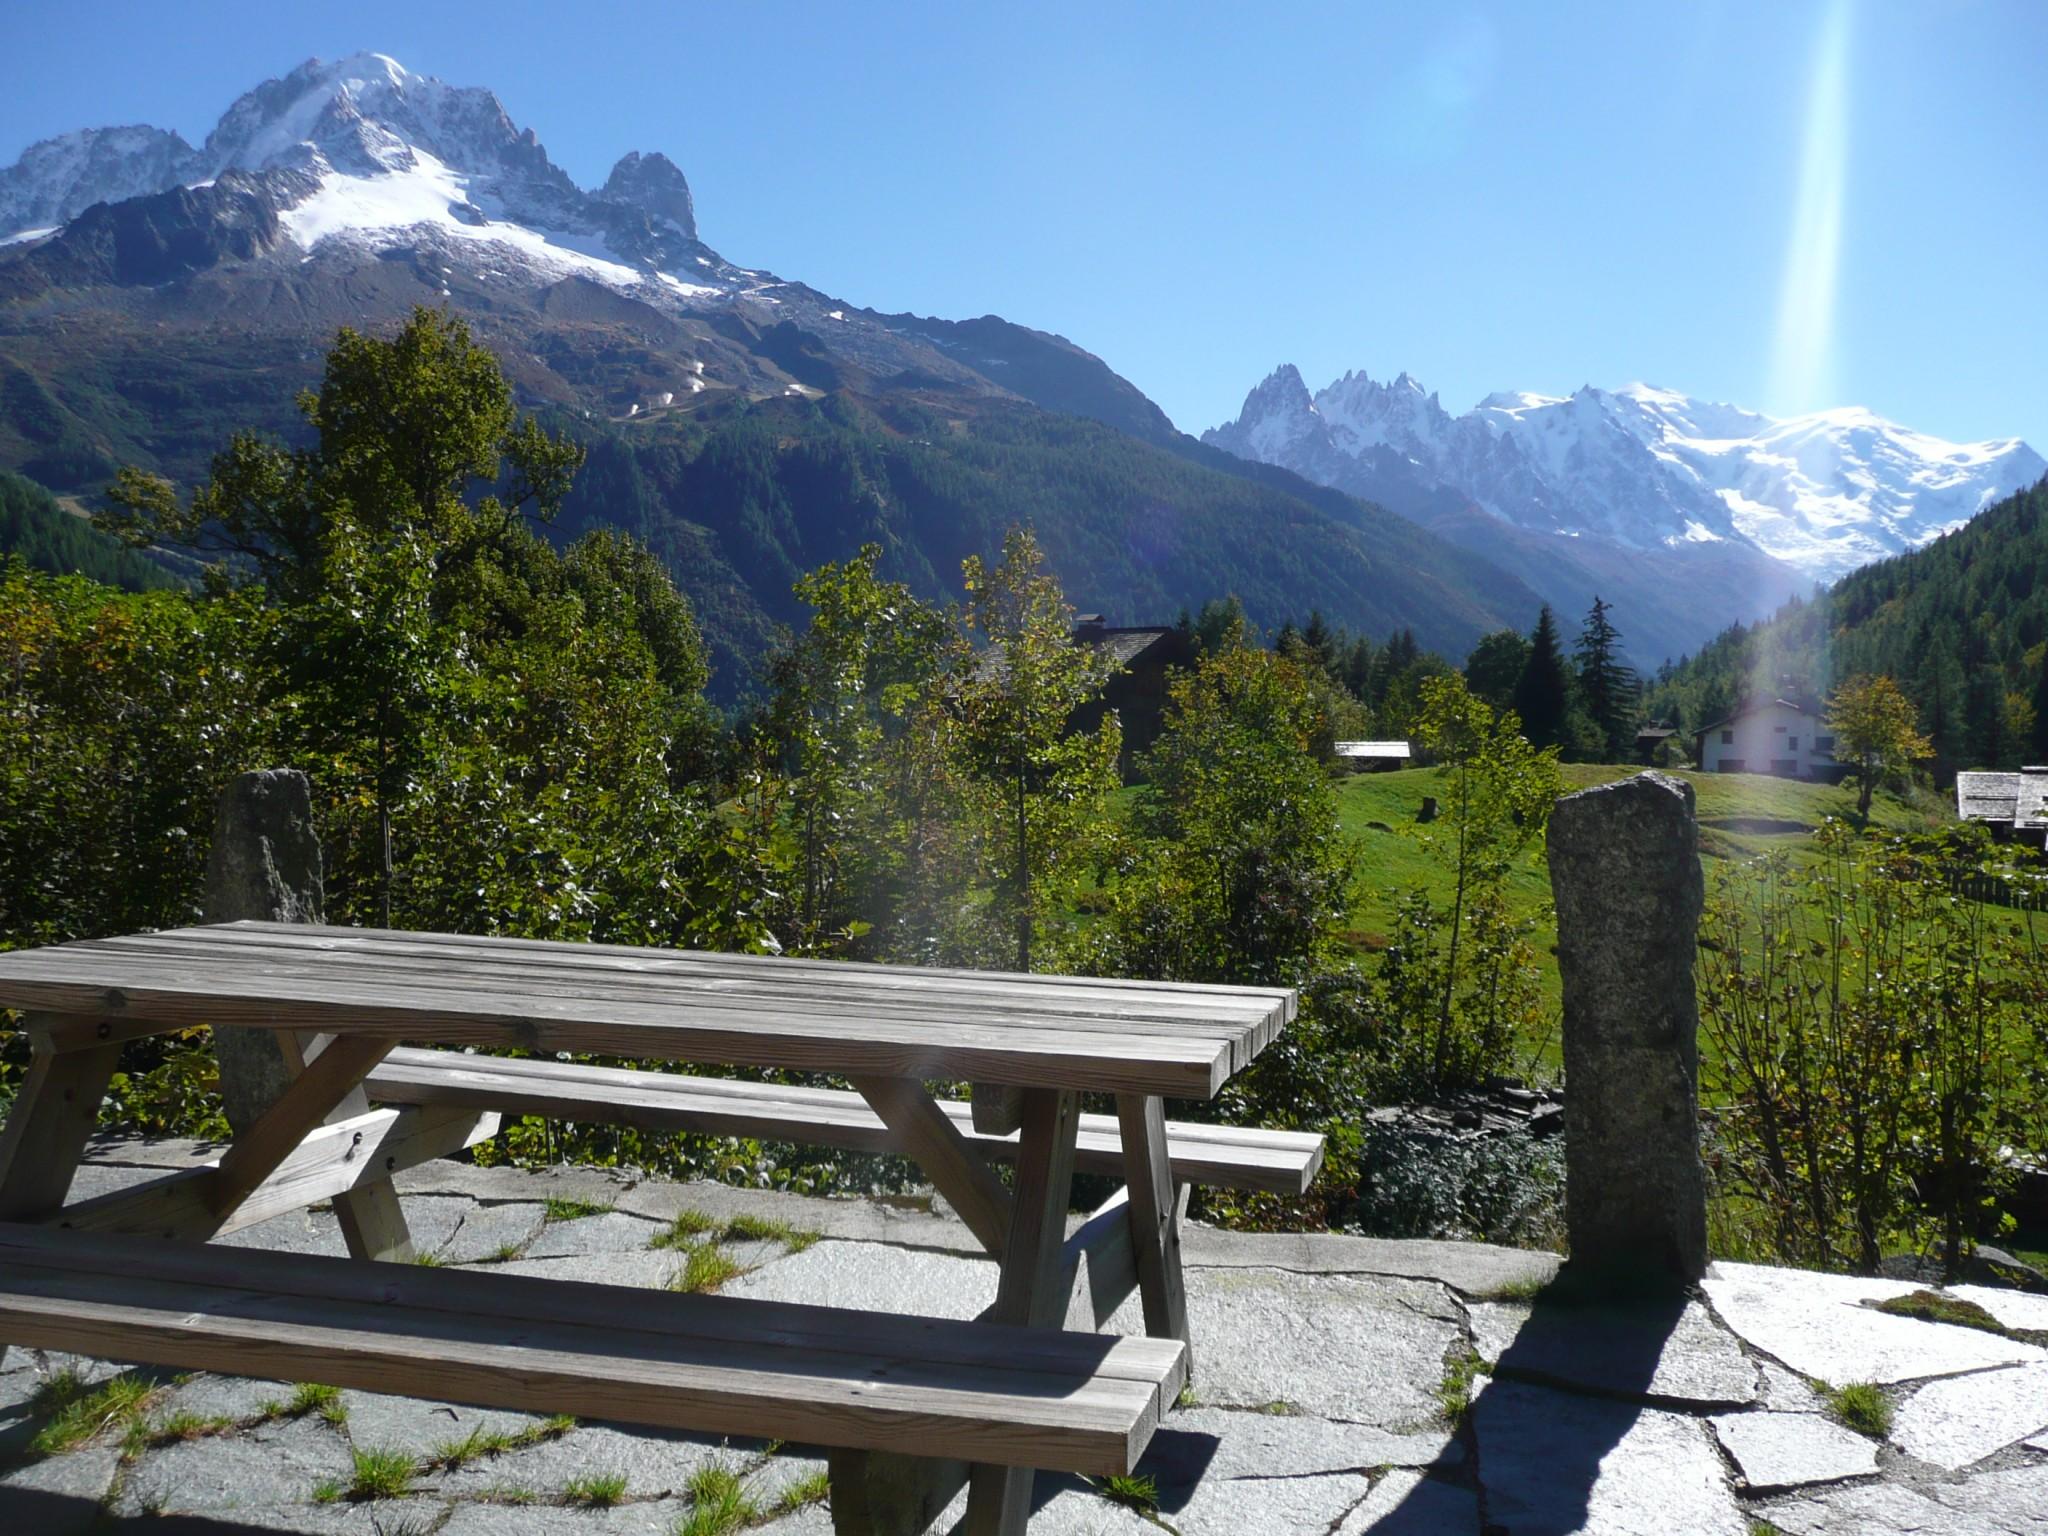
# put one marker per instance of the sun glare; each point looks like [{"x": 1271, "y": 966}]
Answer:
[{"x": 1801, "y": 374}]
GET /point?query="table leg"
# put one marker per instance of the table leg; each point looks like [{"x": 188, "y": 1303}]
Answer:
[
  {"x": 1030, "y": 1291},
  {"x": 372, "y": 1225},
  {"x": 48, "y": 1127},
  {"x": 1155, "y": 1217}
]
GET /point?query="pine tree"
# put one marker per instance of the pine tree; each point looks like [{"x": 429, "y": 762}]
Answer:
[
  {"x": 1543, "y": 695},
  {"x": 1607, "y": 686}
]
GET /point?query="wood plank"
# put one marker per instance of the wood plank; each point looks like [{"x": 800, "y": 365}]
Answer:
[
  {"x": 1098, "y": 1264},
  {"x": 322, "y": 1084},
  {"x": 505, "y": 1297},
  {"x": 171, "y": 995},
  {"x": 501, "y": 945},
  {"x": 1243, "y": 1033},
  {"x": 920, "y": 1131},
  {"x": 1029, "y": 1292},
  {"x": 53, "y": 1115},
  {"x": 1219, "y": 1156},
  {"x": 335, "y": 1158},
  {"x": 1101, "y": 997},
  {"x": 1155, "y": 1216},
  {"x": 924, "y": 1386}
]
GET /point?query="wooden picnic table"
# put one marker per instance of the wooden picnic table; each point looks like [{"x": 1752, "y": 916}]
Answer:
[{"x": 345, "y": 997}]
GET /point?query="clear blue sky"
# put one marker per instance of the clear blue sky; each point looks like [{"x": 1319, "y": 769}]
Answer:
[{"x": 1781, "y": 203}]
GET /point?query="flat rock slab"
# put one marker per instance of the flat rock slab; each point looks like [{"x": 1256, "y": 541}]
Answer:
[
  {"x": 1789, "y": 1450},
  {"x": 493, "y": 1232},
  {"x": 655, "y": 1517},
  {"x": 611, "y": 1232},
  {"x": 1221, "y": 1506},
  {"x": 1476, "y": 1269},
  {"x": 874, "y": 1278},
  {"x": 651, "y": 1269},
  {"x": 227, "y": 1473},
  {"x": 1819, "y": 1326},
  {"x": 2007, "y": 1503},
  {"x": 1409, "y": 1504},
  {"x": 653, "y": 1464},
  {"x": 59, "y": 1495},
  {"x": 1194, "y": 1443},
  {"x": 1789, "y": 1392},
  {"x": 1963, "y": 1419},
  {"x": 1557, "y": 1464},
  {"x": 419, "y": 1426},
  {"x": 1348, "y": 1347},
  {"x": 1676, "y": 1355}
]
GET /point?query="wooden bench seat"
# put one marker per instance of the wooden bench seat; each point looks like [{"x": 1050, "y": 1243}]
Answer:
[
  {"x": 1217, "y": 1156},
  {"x": 983, "y": 1392}
]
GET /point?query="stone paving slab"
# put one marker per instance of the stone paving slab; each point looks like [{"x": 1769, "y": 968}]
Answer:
[
  {"x": 493, "y": 1232},
  {"x": 1819, "y": 1326},
  {"x": 2005, "y": 1503},
  {"x": 1555, "y": 1462},
  {"x": 1963, "y": 1419},
  {"x": 1669, "y": 1355},
  {"x": 1265, "y": 1336},
  {"x": 1405, "y": 1503},
  {"x": 1474, "y": 1269},
  {"x": 1350, "y": 1337},
  {"x": 612, "y": 1232},
  {"x": 1774, "y": 1451},
  {"x": 225, "y": 1473}
]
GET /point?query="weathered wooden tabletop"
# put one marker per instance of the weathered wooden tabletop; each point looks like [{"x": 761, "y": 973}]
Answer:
[{"x": 1079, "y": 1033}]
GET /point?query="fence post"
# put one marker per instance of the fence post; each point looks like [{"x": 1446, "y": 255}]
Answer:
[
  {"x": 265, "y": 865},
  {"x": 1625, "y": 873}
]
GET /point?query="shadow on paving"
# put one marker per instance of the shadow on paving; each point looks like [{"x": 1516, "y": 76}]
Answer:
[
  {"x": 53, "y": 1514},
  {"x": 1546, "y": 1466}
]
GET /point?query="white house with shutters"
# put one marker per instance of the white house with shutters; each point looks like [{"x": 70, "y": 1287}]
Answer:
[{"x": 1778, "y": 736}]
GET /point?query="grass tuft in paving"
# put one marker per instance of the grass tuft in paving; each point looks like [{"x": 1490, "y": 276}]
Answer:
[
  {"x": 719, "y": 1503},
  {"x": 561, "y": 1208},
  {"x": 812, "y": 1488},
  {"x": 77, "y": 1414},
  {"x": 1861, "y": 1406},
  {"x": 1454, "y": 1393},
  {"x": 376, "y": 1474},
  {"x": 596, "y": 1490},
  {"x": 705, "y": 1268},
  {"x": 684, "y": 1230},
  {"x": 1132, "y": 1492},
  {"x": 767, "y": 1229},
  {"x": 310, "y": 1397}
]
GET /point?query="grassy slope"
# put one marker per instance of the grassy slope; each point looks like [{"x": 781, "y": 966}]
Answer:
[{"x": 1379, "y": 809}]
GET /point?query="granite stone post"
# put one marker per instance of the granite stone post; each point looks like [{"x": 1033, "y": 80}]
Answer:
[
  {"x": 1625, "y": 873},
  {"x": 265, "y": 865}
]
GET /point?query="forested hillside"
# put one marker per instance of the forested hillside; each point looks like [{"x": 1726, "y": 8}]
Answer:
[
  {"x": 741, "y": 500},
  {"x": 34, "y": 527},
  {"x": 1961, "y": 624}
]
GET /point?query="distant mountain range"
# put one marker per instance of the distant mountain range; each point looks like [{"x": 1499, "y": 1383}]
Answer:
[
  {"x": 1682, "y": 512},
  {"x": 156, "y": 296}
]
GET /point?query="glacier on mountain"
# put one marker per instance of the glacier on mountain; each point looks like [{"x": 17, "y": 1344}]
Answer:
[
  {"x": 363, "y": 152},
  {"x": 1640, "y": 467}
]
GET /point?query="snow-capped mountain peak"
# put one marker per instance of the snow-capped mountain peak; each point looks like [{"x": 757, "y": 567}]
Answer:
[
  {"x": 1641, "y": 466},
  {"x": 363, "y": 153}
]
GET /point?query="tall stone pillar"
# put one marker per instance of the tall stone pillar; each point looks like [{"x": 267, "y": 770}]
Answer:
[
  {"x": 265, "y": 865},
  {"x": 1625, "y": 873}
]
